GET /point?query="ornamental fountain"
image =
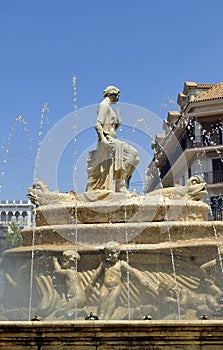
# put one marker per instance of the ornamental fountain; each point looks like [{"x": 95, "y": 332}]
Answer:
[{"x": 113, "y": 253}]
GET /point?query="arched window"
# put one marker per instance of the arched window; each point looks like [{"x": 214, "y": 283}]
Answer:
[
  {"x": 3, "y": 217},
  {"x": 24, "y": 215},
  {"x": 17, "y": 214},
  {"x": 10, "y": 215}
]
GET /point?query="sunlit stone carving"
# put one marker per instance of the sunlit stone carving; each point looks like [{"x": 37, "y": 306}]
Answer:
[{"x": 113, "y": 253}]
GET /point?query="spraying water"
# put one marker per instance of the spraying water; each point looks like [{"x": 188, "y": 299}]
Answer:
[
  {"x": 171, "y": 247},
  {"x": 31, "y": 276},
  {"x": 74, "y": 126},
  {"x": 43, "y": 119},
  {"x": 127, "y": 260},
  {"x": 21, "y": 122}
]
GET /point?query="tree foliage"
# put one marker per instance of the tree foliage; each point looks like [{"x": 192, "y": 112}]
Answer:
[{"x": 13, "y": 237}]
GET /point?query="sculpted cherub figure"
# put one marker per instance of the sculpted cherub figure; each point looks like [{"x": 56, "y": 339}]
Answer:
[
  {"x": 191, "y": 303},
  {"x": 110, "y": 276},
  {"x": 66, "y": 268}
]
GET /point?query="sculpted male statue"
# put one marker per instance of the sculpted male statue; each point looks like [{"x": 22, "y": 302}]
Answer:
[{"x": 112, "y": 164}]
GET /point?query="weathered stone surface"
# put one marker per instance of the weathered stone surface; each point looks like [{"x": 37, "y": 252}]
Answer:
[
  {"x": 141, "y": 209},
  {"x": 144, "y": 232},
  {"x": 165, "y": 262},
  {"x": 134, "y": 262},
  {"x": 194, "y": 261},
  {"x": 178, "y": 203},
  {"x": 108, "y": 335}
]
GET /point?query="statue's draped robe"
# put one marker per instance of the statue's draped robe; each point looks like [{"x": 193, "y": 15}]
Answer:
[{"x": 109, "y": 162}]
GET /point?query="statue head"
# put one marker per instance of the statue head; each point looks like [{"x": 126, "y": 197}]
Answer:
[
  {"x": 112, "y": 251},
  {"x": 68, "y": 259},
  {"x": 196, "y": 187},
  {"x": 112, "y": 92},
  {"x": 38, "y": 192}
]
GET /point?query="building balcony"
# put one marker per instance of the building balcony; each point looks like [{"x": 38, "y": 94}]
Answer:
[
  {"x": 213, "y": 177},
  {"x": 205, "y": 140}
]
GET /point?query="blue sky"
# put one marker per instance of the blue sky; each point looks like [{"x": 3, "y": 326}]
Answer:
[{"x": 147, "y": 48}]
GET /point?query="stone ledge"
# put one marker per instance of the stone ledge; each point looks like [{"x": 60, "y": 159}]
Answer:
[
  {"x": 141, "y": 233},
  {"x": 104, "y": 335}
]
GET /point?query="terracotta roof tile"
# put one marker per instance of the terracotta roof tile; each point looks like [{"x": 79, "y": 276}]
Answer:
[
  {"x": 215, "y": 92},
  {"x": 198, "y": 85},
  {"x": 205, "y": 86},
  {"x": 188, "y": 85}
]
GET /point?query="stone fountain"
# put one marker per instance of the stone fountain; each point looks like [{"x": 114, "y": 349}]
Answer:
[{"x": 112, "y": 255}]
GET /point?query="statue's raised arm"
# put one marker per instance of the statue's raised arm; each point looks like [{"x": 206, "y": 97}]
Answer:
[{"x": 112, "y": 164}]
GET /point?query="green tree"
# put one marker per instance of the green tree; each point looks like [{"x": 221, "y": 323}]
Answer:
[{"x": 13, "y": 237}]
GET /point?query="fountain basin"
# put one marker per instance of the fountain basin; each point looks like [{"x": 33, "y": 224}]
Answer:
[
  {"x": 155, "y": 253},
  {"x": 144, "y": 232},
  {"x": 136, "y": 209},
  {"x": 152, "y": 261}
]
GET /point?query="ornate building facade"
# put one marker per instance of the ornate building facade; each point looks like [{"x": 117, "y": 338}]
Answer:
[
  {"x": 18, "y": 211},
  {"x": 192, "y": 144}
]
